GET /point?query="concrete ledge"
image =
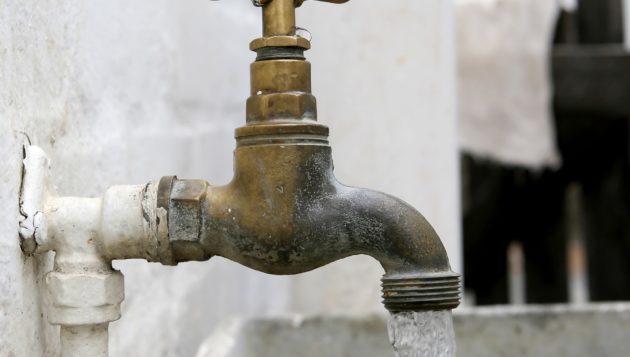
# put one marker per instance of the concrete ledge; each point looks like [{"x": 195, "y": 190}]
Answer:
[
  {"x": 304, "y": 337},
  {"x": 552, "y": 330}
]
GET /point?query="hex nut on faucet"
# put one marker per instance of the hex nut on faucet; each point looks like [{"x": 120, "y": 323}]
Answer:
[
  {"x": 280, "y": 106},
  {"x": 280, "y": 41},
  {"x": 186, "y": 216}
]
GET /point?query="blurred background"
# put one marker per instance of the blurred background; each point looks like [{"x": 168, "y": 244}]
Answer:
[
  {"x": 545, "y": 162},
  {"x": 503, "y": 121}
]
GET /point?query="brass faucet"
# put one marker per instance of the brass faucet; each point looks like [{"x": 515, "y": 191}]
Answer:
[{"x": 284, "y": 212}]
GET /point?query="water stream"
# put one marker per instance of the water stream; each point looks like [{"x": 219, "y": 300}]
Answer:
[{"x": 422, "y": 334}]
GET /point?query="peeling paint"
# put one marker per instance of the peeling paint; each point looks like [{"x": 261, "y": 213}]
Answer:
[{"x": 33, "y": 226}]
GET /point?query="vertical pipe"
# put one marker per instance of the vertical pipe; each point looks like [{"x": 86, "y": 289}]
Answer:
[
  {"x": 516, "y": 273},
  {"x": 279, "y": 18},
  {"x": 570, "y": 25},
  {"x": 576, "y": 252},
  {"x": 85, "y": 340},
  {"x": 626, "y": 24}
]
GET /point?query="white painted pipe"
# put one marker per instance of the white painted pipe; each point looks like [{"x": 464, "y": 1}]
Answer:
[
  {"x": 86, "y": 234},
  {"x": 129, "y": 222},
  {"x": 626, "y": 23},
  {"x": 83, "y": 341}
]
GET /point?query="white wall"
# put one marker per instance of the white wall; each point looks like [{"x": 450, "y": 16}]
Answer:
[
  {"x": 383, "y": 74},
  {"x": 124, "y": 92}
]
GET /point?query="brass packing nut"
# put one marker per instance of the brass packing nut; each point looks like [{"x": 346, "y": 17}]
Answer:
[
  {"x": 276, "y": 76},
  {"x": 84, "y": 298},
  {"x": 186, "y": 217},
  {"x": 280, "y": 41},
  {"x": 281, "y": 89},
  {"x": 281, "y": 106}
]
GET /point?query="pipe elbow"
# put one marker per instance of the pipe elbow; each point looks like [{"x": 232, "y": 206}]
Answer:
[
  {"x": 417, "y": 271},
  {"x": 393, "y": 232}
]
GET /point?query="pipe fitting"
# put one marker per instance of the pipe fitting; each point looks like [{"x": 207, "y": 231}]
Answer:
[
  {"x": 185, "y": 214},
  {"x": 281, "y": 89},
  {"x": 86, "y": 234},
  {"x": 279, "y": 76},
  {"x": 84, "y": 298},
  {"x": 421, "y": 291},
  {"x": 278, "y": 106},
  {"x": 280, "y": 41}
]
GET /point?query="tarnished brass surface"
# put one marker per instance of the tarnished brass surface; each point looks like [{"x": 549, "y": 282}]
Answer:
[
  {"x": 281, "y": 106},
  {"x": 277, "y": 76},
  {"x": 285, "y": 213},
  {"x": 281, "y": 89},
  {"x": 279, "y": 18}
]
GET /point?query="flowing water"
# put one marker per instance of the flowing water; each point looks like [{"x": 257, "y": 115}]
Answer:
[{"x": 422, "y": 334}]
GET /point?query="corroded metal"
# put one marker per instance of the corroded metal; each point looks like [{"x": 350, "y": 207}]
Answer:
[{"x": 285, "y": 213}]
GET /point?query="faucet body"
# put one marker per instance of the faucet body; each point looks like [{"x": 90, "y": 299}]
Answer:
[{"x": 285, "y": 213}]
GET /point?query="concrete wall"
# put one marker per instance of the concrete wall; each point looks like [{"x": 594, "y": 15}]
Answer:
[{"x": 123, "y": 92}]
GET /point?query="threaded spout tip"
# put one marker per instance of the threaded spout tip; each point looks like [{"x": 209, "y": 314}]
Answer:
[{"x": 421, "y": 291}]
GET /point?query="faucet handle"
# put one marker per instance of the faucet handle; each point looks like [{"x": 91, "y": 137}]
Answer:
[
  {"x": 281, "y": 76},
  {"x": 335, "y": 1},
  {"x": 260, "y": 3},
  {"x": 279, "y": 15}
]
